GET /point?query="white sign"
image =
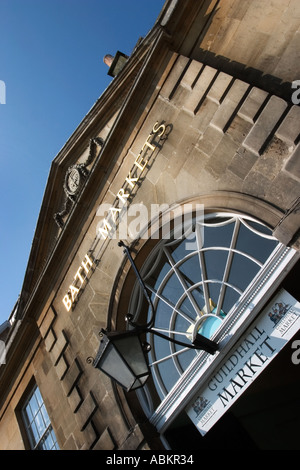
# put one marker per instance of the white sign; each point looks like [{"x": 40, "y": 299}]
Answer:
[{"x": 247, "y": 359}]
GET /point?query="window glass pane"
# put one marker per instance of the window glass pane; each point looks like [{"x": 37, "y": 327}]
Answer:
[
  {"x": 45, "y": 415},
  {"x": 34, "y": 432},
  {"x": 163, "y": 269},
  {"x": 218, "y": 236},
  {"x": 168, "y": 373},
  {"x": 215, "y": 262},
  {"x": 186, "y": 306},
  {"x": 47, "y": 441},
  {"x": 250, "y": 242},
  {"x": 55, "y": 445},
  {"x": 33, "y": 405},
  {"x": 163, "y": 313},
  {"x": 230, "y": 299},
  {"x": 29, "y": 413},
  {"x": 191, "y": 270},
  {"x": 190, "y": 278},
  {"x": 181, "y": 324},
  {"x": 37, "y": 422},
  {"x": 173, "y": 288},
  {"x": 186, "y": 358},
  {"x": 242, "y": 271},
  {"x": 38, "y": 397},
  {"x": 177, "y": 250}
]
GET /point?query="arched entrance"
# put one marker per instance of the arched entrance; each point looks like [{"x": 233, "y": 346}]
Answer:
[{"x": 216, "y": 279}]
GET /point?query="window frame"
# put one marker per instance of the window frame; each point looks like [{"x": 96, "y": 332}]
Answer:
[
  {"x": 251, "y": 302},
  {"x": 27, "y": 423}
]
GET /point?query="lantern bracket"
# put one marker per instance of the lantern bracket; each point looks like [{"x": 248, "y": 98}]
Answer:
[{"x": 199, "y": 342}]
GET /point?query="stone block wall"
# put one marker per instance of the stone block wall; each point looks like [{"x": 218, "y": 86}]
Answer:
[
  {"x": 227, "y": 135},
  {"x": 263, "y": 36},
  {"x": 78, "y": 398}
]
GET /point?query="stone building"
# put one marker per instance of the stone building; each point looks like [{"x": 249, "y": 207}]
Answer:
[{"x": 198, "y": 129}]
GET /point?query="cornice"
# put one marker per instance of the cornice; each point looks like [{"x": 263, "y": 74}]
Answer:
[
  {"x": 23, "y": 342},
  {"x": 113, "y": 98},
  {"x": 120, "y": 95},
  {"x": 127, "y": 92},
  {"x": 155, "y": 60}
]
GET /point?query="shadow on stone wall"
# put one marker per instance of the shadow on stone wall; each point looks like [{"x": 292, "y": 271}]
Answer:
[{"x": 254, "y": 77}]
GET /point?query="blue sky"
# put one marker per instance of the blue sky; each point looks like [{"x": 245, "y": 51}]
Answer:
[{"x": 51, "y": 61}]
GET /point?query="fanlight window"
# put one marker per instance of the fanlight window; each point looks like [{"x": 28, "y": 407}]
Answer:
[{"x": 195, "y": 283}]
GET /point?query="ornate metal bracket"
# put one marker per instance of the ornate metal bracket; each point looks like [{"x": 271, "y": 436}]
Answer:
[{"x": 199, "y": 342}]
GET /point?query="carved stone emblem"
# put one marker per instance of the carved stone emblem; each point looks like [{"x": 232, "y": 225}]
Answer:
[{"x": 74, "y": 179}]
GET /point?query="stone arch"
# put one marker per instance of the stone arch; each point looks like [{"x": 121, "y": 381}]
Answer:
[{"x": 219, "y": 201}]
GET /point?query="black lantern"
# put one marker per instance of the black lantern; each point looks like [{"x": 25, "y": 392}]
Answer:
[{"x": 121, "y": 355}]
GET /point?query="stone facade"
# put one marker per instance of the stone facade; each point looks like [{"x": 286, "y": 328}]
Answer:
[{"x": 231, "y": 143}]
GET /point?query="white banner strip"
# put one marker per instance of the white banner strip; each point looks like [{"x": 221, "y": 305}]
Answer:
[{"x": 270, "y": 332}]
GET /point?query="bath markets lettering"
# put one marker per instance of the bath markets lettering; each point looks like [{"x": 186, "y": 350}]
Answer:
[
  {"x": 140, "y": 163},
  {"x": 79, "y": 281},
  {"x": 107, "y": 226},
  {"x": 276, "y": 325}
]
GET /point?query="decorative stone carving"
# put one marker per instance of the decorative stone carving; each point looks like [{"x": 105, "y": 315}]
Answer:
[{"x": 74, "y": 179}]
